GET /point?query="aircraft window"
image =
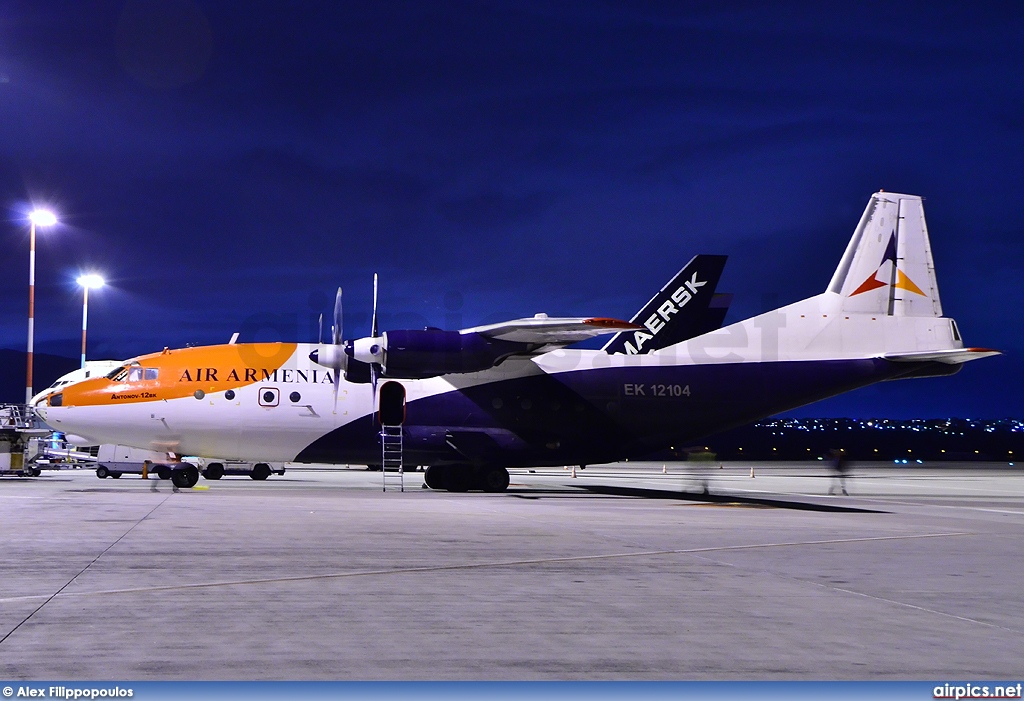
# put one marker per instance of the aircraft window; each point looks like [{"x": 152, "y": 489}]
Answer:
[
  {"x": 117, "y": 374},
  {"x": 152, "y": 373},
  {"x": 229, "y": 395},
  {"x": 295, "y": 397},
  {"x": 269, "y": 396}
]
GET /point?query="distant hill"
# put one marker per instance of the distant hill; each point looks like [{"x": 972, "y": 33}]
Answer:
[{"x": 46, "y": 369}]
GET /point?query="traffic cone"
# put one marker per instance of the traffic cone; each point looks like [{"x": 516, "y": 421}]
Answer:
[{"x": 751, "y": 470}]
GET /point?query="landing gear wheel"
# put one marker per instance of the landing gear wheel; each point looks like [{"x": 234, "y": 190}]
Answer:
[
  {"x": 185, "y": 477},
  {"x": 102, "y": 472},
  {"x": 435, "y": 477},
  {"x": 163, "y": 472},
  {"x": 457, "y": 479},
  {"x": 214, "y": 471},
  {"x": 260, "y": 471},
  {"x": 494, "y": 480},
  {"x": 35, "y": 472},
  {"x": 115, "y": 475}
]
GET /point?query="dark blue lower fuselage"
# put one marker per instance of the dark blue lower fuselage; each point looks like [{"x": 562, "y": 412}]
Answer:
[{"x": 602, "y": 415}]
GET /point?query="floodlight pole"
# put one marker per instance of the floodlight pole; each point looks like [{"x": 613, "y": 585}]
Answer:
[
  {"x": 31, "y": 306},
  {"x": 87, "y": 281},
  {"x": 85, "y": 318},
  {"x": 43, "y": 218}
]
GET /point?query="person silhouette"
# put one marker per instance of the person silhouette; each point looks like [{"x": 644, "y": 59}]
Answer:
[{"x": 840, "y": 467}]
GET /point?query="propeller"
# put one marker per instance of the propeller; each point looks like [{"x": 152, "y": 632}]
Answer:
[
  {"x": 336, "y": 342},
  {"x": 360, "y": 360},
  {"x": 373, "y": 334},
  {"x": 332, "y": 355},
  {"x": 336, "y": 329},
  {"x": 373, "y": 323}
]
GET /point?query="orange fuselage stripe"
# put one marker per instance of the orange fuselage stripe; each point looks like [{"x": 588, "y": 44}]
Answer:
[{"x": 184, "y": 371}]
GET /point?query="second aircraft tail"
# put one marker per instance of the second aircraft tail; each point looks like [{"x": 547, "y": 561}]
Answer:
[{"x": 687, "y": 306}]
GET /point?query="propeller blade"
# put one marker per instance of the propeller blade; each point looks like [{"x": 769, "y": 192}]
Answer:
[
  {"x": 337, "y": 384},
  {"x": 373, "y": 325},
  {"x": 374, "y": 371},
  {"x": 336, "y": 336},
  {"x": 373, "y": 383},
  {"x": 320, "y": 333}
]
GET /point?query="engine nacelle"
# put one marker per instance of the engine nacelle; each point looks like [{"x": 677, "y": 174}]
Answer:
[
  {"x": 433, "y": 352},
  {"x": 330, "y": 356},
  {"x": 414, "y": 354},
  {"x": 339, "y": 358},
  {"x": 357, "y": 372}
]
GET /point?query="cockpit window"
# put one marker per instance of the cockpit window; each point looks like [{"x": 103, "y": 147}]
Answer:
[
  {"x": 152, "y": 373},
  {"x": 135, "y": 373},
  {"x": 117, "y": 374}
]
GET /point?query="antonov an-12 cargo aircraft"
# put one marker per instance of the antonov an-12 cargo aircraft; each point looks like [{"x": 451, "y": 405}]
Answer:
[{"x": 474, "y": 402}]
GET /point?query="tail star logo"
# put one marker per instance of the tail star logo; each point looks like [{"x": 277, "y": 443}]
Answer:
[{"x": 902, "y": 282}]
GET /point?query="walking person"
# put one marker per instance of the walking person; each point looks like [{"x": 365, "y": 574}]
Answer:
[{"x": 840, "y": 468}]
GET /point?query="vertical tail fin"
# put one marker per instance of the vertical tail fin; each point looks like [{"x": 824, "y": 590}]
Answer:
[
  {"x": 887, "y": 268},
  {"x": 685, "y": 307}
]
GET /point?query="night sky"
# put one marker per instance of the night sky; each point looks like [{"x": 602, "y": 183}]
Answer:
[{"x": 227, "y": 165}]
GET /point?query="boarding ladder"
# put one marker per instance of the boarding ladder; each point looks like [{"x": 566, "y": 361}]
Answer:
[
  {"x": 17, "y": 417},
  {"x": 18, "y": 427},
  {"x": 391, "y": 456}
]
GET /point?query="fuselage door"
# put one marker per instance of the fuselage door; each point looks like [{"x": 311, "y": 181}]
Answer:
[{"x": 392, "y": 404}]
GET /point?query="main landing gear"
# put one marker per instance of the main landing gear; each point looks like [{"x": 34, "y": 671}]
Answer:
[{"x": 457, "y": 478}]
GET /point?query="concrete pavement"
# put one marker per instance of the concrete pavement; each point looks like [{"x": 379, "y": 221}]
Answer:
[{"x": 620, "y": 573}]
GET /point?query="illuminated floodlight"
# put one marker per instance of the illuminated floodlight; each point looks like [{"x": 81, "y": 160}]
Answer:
[
  {"x": 42, "y": 217},
  {"x": 91, "y": 281}
]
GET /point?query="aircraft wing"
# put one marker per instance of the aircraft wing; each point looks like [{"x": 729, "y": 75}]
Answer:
[
  {"x": 546, "y": 332},
  {"x": 952, "y": 356}
]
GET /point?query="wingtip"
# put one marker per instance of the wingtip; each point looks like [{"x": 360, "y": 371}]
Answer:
[{"x": 609, "y": 323}]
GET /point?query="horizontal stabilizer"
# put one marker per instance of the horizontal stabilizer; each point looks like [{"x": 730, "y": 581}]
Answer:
[{"x": 953, "y": 356}]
